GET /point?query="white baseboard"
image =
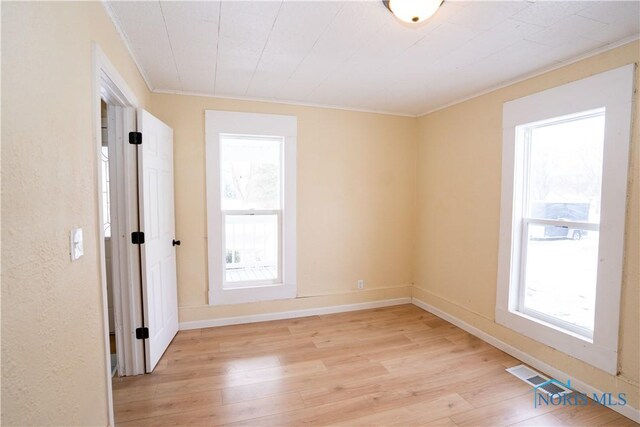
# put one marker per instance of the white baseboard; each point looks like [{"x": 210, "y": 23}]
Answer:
[
  {"x": 292, "y": 314},
  {"x": 627, "y": 410}
]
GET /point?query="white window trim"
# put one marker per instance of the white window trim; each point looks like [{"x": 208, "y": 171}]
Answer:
[
  {"x": 612, "y": 90},
  {"x": 227, "y": 122}
]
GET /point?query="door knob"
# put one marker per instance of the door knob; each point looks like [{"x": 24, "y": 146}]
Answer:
[{"x": 176, "y": 243}]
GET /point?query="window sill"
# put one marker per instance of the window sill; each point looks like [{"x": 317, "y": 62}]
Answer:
[
  {"x": 568, "y": 342},
  {"x": 241, "y": 295},
  {"x": 250, "y": 285},
  {"x": 557, "y": 328}
]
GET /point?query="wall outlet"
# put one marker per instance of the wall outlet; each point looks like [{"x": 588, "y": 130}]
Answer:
[{"x": 360, "y": 284}]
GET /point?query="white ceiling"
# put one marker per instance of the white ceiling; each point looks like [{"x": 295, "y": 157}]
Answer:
[{"x": 355, "y": 54}]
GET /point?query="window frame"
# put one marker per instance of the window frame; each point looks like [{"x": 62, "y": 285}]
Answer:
[
  {"x": 225, "y": 123},
  {"x": 613, "y": 91}
]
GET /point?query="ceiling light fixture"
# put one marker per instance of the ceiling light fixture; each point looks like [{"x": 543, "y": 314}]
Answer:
[{"x": 412, "y": 11}]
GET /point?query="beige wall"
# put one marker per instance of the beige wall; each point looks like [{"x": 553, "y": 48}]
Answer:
[
  {"x": 459, "y": 178},
  {"x": 53, "y": 352},
  {"x": 356, "y": 204}
]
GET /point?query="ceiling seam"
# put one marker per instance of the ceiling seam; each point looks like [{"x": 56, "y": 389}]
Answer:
[
  {"x": 332, "y": 72},
  {"x": 173, "y": 56},
  {"x": 314, "y": 45},
  {"x": 264, "y": 47}
]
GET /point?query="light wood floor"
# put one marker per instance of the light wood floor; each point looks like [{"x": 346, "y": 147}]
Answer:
[{"x": 390, "y": 366}]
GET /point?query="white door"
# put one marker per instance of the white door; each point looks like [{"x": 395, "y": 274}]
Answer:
[{"x": 157, "y": 221}]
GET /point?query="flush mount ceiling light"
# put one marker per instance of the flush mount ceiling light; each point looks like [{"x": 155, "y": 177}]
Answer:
[{"x": 412, "y": 11}]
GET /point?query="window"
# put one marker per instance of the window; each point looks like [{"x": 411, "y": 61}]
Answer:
[
  {"x": 251, "y": 206},
  {"x": 250, "y": 177},
  {"x": 562, "y": 180},
  {"x": 565, "y": 161}
]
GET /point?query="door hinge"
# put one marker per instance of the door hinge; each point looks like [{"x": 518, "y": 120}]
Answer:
[
  {"x": 135, "y": 138},
  {"x": 137, "y": 237},
  {"x": 142, "y": 333}
]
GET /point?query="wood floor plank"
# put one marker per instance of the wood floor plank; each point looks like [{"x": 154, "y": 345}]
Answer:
[
  {"x": 342, "y": 410},
  {"x": 591, "y": 414},
  {"x": 622, "y": 422},
  {"x": 406, "y": 384},
  {"x": 545, "y": 420},
  {"x": 238, "y": 378},
  {"x": 130, "y": 394},
  {"x": 224, "y": 414},
  {"x": 444, "y": 354},
  {"x": 224, "y": 364},
  {"x": 249, "y": 330},
  {"x": 205, "y": 355},
  {"x": 446, "y": 331},
  {"x": 263, "y": 343},
  {"x": 327, "y": 414},
  {"x": 434, "y": 412},
  {"x": 187, "y": 335},
  {"x": 406, "y": 350},
  {"x": 140, "y": 409},
  {"x": 502, "y": 413},
  {"x": 354, "y": 347},
  {"x": 494, "y": 386},
  {"x": 329, "y": 379},
  {"x": 442, "y": 422}
]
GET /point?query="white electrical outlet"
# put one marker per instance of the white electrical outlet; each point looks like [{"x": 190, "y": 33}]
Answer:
[{"x": 360, "y": 284}]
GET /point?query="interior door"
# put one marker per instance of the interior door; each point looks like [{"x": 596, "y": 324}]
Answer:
[{"x": 157, "y": 221}]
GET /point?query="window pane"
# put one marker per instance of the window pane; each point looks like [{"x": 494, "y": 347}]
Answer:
[
  {"x": 560, "y": 273},
  {"x": 251, "y": 248},
  {"x": 250, "y": 172},
  {"x": 565, "y": 169}
]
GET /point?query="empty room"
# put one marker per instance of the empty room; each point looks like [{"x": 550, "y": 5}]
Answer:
[{"x": 336, "y": 213}]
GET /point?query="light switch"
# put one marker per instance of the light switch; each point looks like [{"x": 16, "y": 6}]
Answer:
[{"x": 77, "y": 248}]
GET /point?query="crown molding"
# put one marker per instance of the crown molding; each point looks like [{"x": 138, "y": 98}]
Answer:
[
  {"x": 127, "y": 43},
  {"x": 275, "y": 101}
]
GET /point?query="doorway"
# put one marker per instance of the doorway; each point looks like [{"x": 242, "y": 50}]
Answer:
[
  {"x": 134, "y": 165},
  {"x": 118, "y": 194}
]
